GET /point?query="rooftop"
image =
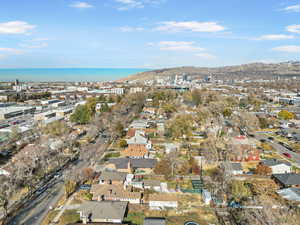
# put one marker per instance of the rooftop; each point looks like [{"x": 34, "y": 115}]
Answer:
[
  {"x": 104, "y": 209},
  {"x": 12, "y": 109},
  {"x": 288, "y": 178},
  {"x": 113, "y": 191},
  {"x": 135, "y": 151},
  {"x": 274, "y": 162},
  {"x": 122, "y": 163},
  {"x": 292, "y": 194},
  {"x": 113, "y": 175},
  {"x": 155, "y": 221}
]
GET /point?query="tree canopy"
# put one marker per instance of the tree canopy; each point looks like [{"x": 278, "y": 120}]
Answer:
[
  {"x": 82, "y": 115},
  {"x": 286, "y": 115}
]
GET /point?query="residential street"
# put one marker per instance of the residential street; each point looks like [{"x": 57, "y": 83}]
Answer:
[
  {"x": 37, "y": 209},
  {"x": 280, "y": 149},
  {"x": 34, "y": 212}
]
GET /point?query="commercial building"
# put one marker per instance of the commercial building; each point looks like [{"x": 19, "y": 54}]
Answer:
[
  {"x": 45, "y": 115},
  {"x": 50, "y": 101},
  {"x": 14, "y": 111}
]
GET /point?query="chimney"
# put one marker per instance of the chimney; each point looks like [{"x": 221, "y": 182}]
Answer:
[{"x": 129, "y": 165}]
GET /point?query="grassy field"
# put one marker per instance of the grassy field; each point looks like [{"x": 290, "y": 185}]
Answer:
[
  {"x": 111, "y": 155},
  {"x": 188, "y": 212},
  {"x": 50, "y": 216},
  {"x": 69, "y": 217},
  {"x": 136, "y": 218}
]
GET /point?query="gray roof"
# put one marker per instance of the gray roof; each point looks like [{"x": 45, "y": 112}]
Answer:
[
  {"x": 155, "y": 221},
  {"x": 151, "y": 183},
  {"x": 104, "y": 210},
  {"x": 228, "y": 166},
  {"x": 113, "y": 175},
  {"x": 236, "y": 166},
  {"x": 288, "y": 178},
  {"x": 292, "y": 194},
  {"x": 122, "y": 163},
  {"x": 274, "y": 162}
]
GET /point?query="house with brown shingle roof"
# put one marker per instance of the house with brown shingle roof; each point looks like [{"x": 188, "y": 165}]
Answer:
[
  {"x": 115, "y": 192},
  {"x": 106, "y": 212},
  {"x": 135, "y": 151},
  {"x": 130, "y": 133},
  {"x": 112, "y": 177},
  {"x": 130, "y": 165}
]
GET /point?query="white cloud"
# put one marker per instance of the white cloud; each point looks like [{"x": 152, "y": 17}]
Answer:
[
  {"x": 292, "y": 8},
  {"x": 205, "y": 55},
  {"x": 193, "y": 26},
  {"x": 35, "y": 43},
  {"x": 40, "y": 39},
  {"x": 294, "y": 28},
  {"x": 131, "y": 29},
  {"x": 130, "y": 4},
  {"x": 15, "y": 27},
  {"x": 5, "y": 52},
  {"x": 32, "y": 46},
  {"x": 288, "y": 48},
  {"x": 275, "y": 37},
  {"x": 81, "y": 5},
  {"x": 178, "y": 46},
  {"x": 136, "y": 4},
  {"x": 11, "y": 51}
]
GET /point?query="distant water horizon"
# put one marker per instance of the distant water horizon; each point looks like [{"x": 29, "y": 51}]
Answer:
[{"x": 66, "y": 74}]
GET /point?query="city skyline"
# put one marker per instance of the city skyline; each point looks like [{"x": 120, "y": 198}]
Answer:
[{"x": 147, "y": 33}]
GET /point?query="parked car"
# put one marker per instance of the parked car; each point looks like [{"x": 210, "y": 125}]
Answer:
[
  {"x": 288, "y": 155},
  {"x": 85, "y": 187}
]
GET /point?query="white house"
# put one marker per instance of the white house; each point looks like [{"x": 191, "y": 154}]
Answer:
[
  {"x": 162, "y": 201},
  {"x": 4, "y": 172},
  {"x": 99, "y": 105},
  {"x": 171, "y": 147},
  {"x": 139, "y": 124},
  {"x": 139, "y": 139},
  {"x": 206, "y": 196},
  {"x": 102, "y": 212},
  {"x": 278, "y": 166},
  {"x": 232, "y": 168}
]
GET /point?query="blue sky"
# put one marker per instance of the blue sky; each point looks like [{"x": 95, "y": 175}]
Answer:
[{"x": 147, "y": 33}]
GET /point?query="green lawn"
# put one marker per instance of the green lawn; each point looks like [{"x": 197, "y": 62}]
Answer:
[
  {"x": 50, "y": 217},
  {"x": 136, "y": 218},
  {"x": 69, "y": 217},
  {"x": 111, "y": 155}
]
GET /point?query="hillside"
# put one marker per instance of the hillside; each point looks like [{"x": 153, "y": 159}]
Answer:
[{"x": 253, "y": 70}]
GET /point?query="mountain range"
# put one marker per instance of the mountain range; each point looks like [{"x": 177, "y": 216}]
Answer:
[{"x": 245, "y": 71}]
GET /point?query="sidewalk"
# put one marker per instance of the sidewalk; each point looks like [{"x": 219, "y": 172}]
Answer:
[{"x": 65, "y": 207}]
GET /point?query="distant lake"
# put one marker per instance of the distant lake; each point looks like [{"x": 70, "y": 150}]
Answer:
[{"x": 66, "y": 74}]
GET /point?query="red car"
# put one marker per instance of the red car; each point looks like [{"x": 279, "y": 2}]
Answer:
[{"x": 287, "y": 154}]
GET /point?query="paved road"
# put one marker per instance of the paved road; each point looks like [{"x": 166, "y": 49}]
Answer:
[
  {"x": 37, "y": 209},
  {"x": 280, "y": 149},
  {"x": 34, "y": 212}
]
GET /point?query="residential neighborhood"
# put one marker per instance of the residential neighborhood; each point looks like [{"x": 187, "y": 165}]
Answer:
[{"x": 198, "y": 155}]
